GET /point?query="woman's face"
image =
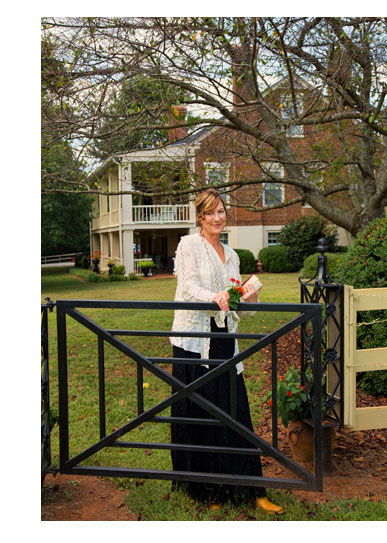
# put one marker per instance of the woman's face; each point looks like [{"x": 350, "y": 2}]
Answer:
[{"x": 214, "y": 221}]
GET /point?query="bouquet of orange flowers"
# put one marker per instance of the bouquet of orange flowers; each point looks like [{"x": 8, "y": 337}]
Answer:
[{"x": 235, "y": 293}]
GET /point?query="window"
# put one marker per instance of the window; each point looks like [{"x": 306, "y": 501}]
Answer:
[
  {"x": 273, "y": 193},
  {"x": 216, "y": 174},
  {"x": 224, "y": 238},
  {"x": 288, "y": 113},
  {"x": 273, "y": 239}
]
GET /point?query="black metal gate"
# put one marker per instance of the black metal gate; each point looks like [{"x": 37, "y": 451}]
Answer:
[
  {"x": 305, "y": 313},
  {"x": 46, "y": 413}
]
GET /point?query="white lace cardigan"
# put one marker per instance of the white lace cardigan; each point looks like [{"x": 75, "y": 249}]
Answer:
[{"x": 200, "y": 275}]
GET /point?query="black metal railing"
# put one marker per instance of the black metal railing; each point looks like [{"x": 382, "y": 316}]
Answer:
[
  {"x": 308, "y": 314},
  {"x": 46, "y": 415}
]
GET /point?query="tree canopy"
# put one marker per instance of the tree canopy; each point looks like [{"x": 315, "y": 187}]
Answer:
[
  {"x": 64, "y": 216},
  {"x": 263, "y": 80},
  {"x": 116, "y": 134}
]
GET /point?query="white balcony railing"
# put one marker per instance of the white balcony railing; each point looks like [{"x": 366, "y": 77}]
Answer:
[{"x": 161, "y": 214}]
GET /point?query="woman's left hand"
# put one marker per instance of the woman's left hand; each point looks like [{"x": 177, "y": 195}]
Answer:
[{"x": 250, "y": 295}]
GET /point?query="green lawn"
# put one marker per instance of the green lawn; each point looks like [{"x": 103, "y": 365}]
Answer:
[{"x": 154, "y": 498}]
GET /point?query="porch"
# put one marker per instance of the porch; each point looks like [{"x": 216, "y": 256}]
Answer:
[
  {"x": 154, "y": 242},
  {"x": 158, "y": 245}
]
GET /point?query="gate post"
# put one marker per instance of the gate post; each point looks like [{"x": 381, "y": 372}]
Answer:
[{"x": 330, "y": 294}]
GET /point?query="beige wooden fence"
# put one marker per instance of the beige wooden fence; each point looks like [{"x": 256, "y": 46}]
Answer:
[{"x": 358, "y": 360}]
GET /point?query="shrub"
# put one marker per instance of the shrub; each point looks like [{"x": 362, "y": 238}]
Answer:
[
  {"x": 333, "y": 264},
  {"x": 365, "y": 263},
  {"x": 274, "y": 259},
  {"x": 86, "y": 262},
  {"x": 78, "y": 259},
  {"x": 247, "y": 261},
  {"x": 115, "y": 277},
  {"x": 301, "y": 238},
  {"x": 146, "y": 264},
  {"x": 118, "y": 270},
  {"x": 364, "y": 266},
  {"x": 133, "y": 277},
  {"x": 341, "y": 249},
  {"x": 88, "y": 275},
  {"x": 374, "y": 382}
]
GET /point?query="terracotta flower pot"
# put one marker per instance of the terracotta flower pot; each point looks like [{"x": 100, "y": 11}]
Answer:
[{"x": 300, "y": 435}]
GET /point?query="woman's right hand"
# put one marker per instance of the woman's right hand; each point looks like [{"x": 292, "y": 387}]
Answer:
[{"x": 221, "y": 298}]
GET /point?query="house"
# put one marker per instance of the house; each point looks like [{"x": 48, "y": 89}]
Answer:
[{"x": 128, "y": 228}]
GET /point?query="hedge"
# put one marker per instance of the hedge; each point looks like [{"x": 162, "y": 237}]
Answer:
[
  {"x": 364, "y": 266},
  {"x": 301, "y": 238},
  {"x": 247, "y": 261},
  {"x": 333, "y": 263},
  {"x": 93, "y": 277},
  {"x": 274, "y": 259}
]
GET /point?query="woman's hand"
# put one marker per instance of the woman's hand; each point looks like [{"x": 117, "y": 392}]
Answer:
[
  {"x": 222, "y": 298},
  {"x": 250, "y": 295}
]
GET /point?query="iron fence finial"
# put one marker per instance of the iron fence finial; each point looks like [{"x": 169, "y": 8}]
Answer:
[{"x": 322, "y": 246}]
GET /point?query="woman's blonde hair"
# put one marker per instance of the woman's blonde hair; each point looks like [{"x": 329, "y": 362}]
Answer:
[{"x": 207, "y": 201}]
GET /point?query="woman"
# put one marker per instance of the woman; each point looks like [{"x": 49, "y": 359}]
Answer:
[{"x": 204, "y": 268}]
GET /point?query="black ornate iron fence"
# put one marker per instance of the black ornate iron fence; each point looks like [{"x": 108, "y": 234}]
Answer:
[
  {"x": 307, "y": 314},
  {"x": 330, "y": 294}
]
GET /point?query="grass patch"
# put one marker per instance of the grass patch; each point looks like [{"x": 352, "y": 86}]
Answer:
[{"x": 154, "y": 498}]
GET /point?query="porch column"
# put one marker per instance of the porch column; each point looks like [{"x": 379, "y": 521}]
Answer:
[
  {"x": 192, "y": 213},
  {"x": 127, "y": 198},
  {"x": 127, "y": 250},
  {"x": 120, "y": 202}
]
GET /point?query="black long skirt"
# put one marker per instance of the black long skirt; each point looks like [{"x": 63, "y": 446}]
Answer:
[{"x": 218, "y": 392}]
